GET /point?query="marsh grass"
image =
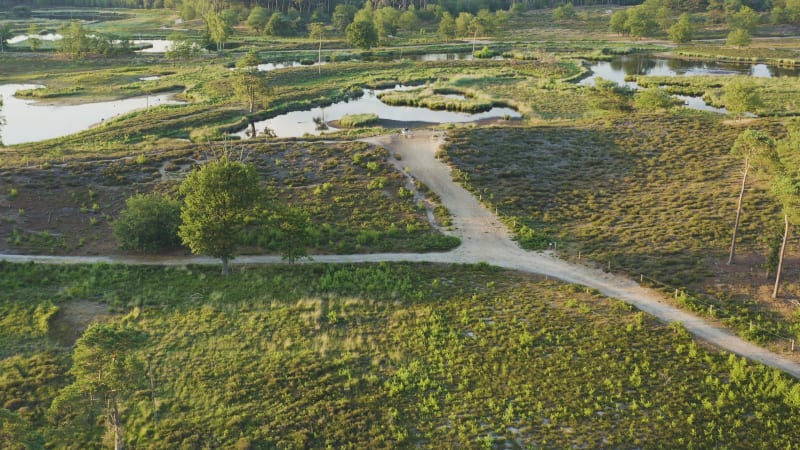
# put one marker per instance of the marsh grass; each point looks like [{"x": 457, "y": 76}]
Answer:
[{"x": 358, "y": 120}]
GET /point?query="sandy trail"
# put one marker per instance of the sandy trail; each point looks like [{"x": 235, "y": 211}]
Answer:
[{"x": 484, "y": 239}]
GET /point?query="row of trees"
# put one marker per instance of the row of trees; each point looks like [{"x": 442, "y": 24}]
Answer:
[
  {"x": 776, "y": 162},
  {"x": 220, "y": 200},
  {"x": 654, "y": 17}
]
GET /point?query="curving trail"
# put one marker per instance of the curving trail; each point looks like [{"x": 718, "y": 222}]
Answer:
[{"x": 484, "y": 239}]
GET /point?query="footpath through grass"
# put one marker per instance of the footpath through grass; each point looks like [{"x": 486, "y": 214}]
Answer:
[{"x": 381, "y": 356}]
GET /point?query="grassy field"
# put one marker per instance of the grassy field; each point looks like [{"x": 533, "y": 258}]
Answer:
[{"x": 383, "y": 356}]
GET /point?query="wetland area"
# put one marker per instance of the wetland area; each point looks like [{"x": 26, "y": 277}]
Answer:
[{"x": 448, "y": 231}]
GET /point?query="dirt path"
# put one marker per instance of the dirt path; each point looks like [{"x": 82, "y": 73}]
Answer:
[{"x": 485, "y": 239}]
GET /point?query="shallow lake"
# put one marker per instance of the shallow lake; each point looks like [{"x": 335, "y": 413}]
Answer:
[
  {"x": 619, "y": 67},
  {"x": 28, "y": 120},
  {"x": 298, "y": 123}
]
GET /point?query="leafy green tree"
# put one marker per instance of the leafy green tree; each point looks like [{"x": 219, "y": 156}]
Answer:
[
  {"x": 74, "y": 42},
  {"x": 619, "y": 22},
  {"x": 447, "y": 26},
  {"x": 565, "y": 12},
  {"x": 755, "y": 149},
  {"x": 5, "y": 35},
  {"x": 362, "y": 34},
  {"x": 386, "y": 21},
  {"x": 343, "y": 16},
  {"x": 653, "y": 99},
  {"x": 787, "y": 12},
  {"x": 106, "y": 372},
  {"x": 682, "y": 31},
  {"x": 641, "y": 22},
  {"x": 744, "y": 19},
  {"x": 218, "y": 30},
  {"x": 485, "y": 22},
  {"x": 33, "y": 37},
  {"x": 220, "y": 198},
  {"x": 409, "y": 20},
  {"x": 188, "y": 12},
  {"x": 464, "y": 24},
  {"x": 739, "y": 37},
  {"x": 286, "y": 230},
  {"x": 257, "y": 19},
  {"x": 148, "y": 223},
  {"x": 278, "y": 25},
  {"x": 740, "y": 96}
]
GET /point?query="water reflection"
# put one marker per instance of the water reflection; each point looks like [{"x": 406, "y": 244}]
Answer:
[
  {"x": 299, "y": 123},
  {"x": 30, "y": 121},
  {"x": 616, "y": 69},
  {"x": 158, "y": 45},
  {"x": 42, "y": 37}
]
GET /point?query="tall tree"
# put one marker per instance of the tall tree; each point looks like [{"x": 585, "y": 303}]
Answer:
[
  {"x": 785, "y": 189},
  {"x": 106, "y": 372},
  {"x": 33, "y": 37},
  {"x": 362, "y": 34},
  {"x": 447, "y": 26},
  {"x": 257, "y": 19},
  {"x": 756, "y": 149},
  {"x": 220, "y": 198},
  {"x": 218, "y": 30},
  {"x": 316, "y": 30},
  {"x": 251, "y": 85},
  {"x": 682, "y": 30}
]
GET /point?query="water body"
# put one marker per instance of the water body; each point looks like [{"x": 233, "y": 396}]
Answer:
[
  {"x": 299, "y": 123},
  {"x": 42, "y": 37},
  {"x": 618, "y": 68},
  {"x": 29, "y": 120},
  {"x": 158, "y": 45}
]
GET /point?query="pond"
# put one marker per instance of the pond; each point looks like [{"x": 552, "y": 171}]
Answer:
[
  {"x": 28, "y": 120},
  {"x": 41, "y": 37},
  {"x": 155, "y": 45},
  {"x": 298, "y": 123},
  {"x": 619, "y": 67}
]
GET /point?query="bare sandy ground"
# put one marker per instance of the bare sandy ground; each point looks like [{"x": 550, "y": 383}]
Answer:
[{"x": 485, "y": 239}]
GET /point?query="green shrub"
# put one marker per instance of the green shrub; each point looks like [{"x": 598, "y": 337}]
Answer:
[{"x": 148, "y": 223}]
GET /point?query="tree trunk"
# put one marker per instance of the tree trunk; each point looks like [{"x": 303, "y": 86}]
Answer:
[
  {"x": 780, "y": 256},
  {"x": 738, "y": 212},
  {"x": 116, "y": 423},
  {"x": 226, "y": 269},
  {"x": 252, "y": 128}
]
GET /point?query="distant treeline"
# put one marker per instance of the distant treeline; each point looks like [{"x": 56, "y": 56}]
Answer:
[{"x": 454, "y": 6}]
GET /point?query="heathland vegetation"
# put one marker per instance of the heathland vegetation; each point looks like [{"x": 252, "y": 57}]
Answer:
[{"x": 397, "y": 355}]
